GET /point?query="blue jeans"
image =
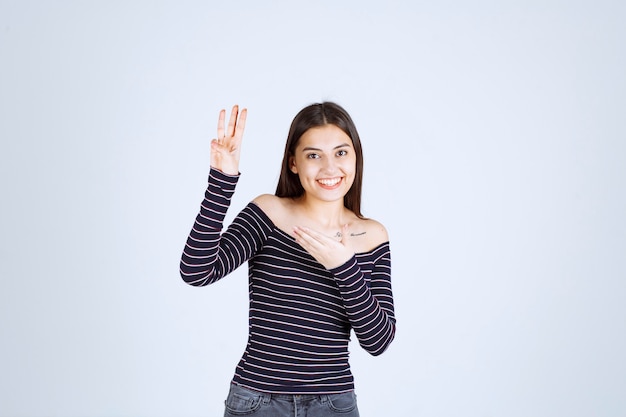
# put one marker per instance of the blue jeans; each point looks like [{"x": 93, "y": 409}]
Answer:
[{"x": 245, "y": 402}]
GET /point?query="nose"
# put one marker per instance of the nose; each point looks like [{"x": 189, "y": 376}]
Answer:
[{"x": 330, "y": 165}]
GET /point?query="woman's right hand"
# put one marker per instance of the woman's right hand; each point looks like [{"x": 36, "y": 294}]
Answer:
[{"x": 226, "y": 149}]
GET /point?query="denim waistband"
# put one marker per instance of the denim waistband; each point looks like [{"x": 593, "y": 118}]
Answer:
[{"x": 267, "y": 396}]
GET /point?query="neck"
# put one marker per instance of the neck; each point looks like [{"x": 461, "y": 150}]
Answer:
[{"x": 328, "y": 214}]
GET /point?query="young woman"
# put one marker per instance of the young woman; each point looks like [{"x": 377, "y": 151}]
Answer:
[{"x": 318, "y": 269}]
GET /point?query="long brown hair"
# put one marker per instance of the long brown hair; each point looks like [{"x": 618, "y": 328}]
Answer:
[{"x": 317, "y": 115}]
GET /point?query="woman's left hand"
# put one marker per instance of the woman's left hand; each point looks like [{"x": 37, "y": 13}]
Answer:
[{"x": 329, "y": 252}]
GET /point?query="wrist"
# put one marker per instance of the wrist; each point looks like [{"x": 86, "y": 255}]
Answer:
[{"x": 227, "y": 171}]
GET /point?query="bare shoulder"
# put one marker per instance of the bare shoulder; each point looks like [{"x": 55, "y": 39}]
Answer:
[
  {"x": 376, "y": 230},
  {"x": 373, "y": 233},
  {"x": 276, "y": 208},
  {"x": 266, "y": 200},
  {"x": 270, "y": 204}
]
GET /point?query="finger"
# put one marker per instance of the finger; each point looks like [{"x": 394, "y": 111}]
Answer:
[
  {"x": 301, "y": 235},
  {"x": 318, "y": 236},
  {"x": 218, "y": 148},
  {"x": 241, "y": 124},
  {"x": 311, "y": 236},
  {"x": 344, "y": 234},
  {"x": 232, "y": 121},
  {"x": 220, "y": 124}
]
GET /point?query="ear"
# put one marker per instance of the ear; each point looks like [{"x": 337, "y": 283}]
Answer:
[{"x": 292, "y": 165}]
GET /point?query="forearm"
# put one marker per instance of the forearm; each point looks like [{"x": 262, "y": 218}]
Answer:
[
  {"x": 200, "y": 263},
  {"x": 373, "y": 325}
]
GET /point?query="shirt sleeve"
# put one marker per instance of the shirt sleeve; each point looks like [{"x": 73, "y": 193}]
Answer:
[
  {"x": 369, "y": 306},
  {"x": 209, "y": 254}
]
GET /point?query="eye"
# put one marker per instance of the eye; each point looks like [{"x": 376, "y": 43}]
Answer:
[
  {"x": 312, "y": 156},
  {"x": 342, "y": 152}
]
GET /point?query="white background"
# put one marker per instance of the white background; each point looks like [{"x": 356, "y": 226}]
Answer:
[{"x": 495, "y": 142}]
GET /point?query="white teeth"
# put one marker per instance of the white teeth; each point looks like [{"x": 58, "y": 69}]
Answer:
[{"x": 330, "y": 182}]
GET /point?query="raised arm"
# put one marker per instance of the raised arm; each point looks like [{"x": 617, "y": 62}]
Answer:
[{"x": 209, "y": 255}]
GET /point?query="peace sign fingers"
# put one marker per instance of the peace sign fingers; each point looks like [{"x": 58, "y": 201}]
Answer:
[{"x": 226, "y": 149}]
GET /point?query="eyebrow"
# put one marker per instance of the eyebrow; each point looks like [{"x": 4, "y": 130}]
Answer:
[{"x": 309, "y": 148}]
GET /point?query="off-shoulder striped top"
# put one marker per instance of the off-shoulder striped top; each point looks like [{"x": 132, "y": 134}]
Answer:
[{"x": 301, "y": 314}]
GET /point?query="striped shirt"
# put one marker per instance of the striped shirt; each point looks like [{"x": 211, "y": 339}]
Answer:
[{"x": 301, "y": 314}]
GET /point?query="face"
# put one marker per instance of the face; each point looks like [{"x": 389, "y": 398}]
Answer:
[{"x": 325, "y": 162}]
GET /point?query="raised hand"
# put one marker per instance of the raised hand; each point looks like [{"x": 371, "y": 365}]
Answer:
[
  {"x": 327, "y": 251},
  {"x": 226, "y": 149}
]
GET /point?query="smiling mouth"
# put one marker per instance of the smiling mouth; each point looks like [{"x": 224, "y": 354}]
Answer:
[{"x": 329, "y": 182}]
